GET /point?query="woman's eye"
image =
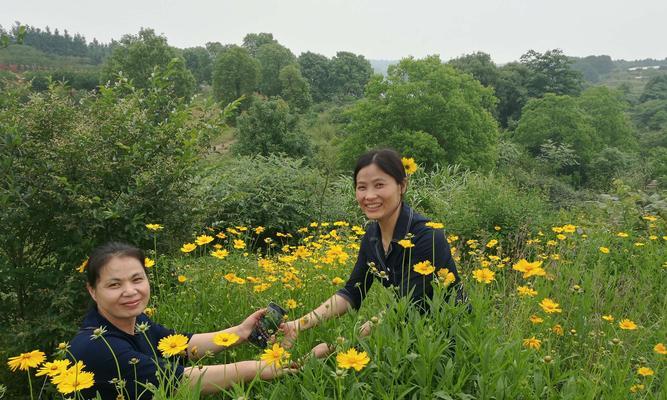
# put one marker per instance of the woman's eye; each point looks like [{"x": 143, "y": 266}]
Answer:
[
  {"x": 114, "y": 285},
  {"x": 137, "y": 280}
]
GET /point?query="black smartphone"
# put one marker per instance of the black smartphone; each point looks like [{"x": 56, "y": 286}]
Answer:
[{"x": 267, "y": 325}]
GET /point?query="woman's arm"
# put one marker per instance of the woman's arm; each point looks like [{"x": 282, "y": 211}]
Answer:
[
  {"x": 216, "y": 377},
  {"x": 334, "y": 306},
  {"x": 200, "y": 343}
]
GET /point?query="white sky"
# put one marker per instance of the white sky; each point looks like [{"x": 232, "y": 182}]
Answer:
[{"x": 386, "y": 29}]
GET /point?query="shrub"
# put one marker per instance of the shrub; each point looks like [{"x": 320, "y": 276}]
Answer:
[{"x": 274, "y": 191}]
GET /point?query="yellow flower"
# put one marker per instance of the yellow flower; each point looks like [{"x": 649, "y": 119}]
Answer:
[
  {"x": 529, "y": 269},
  {"x": 405, "y": 243},
  {"x": 225, "y": 339},
  {"x": 424, "y": 267},
  {"x": 275, "y": 356},
  {"x": 188, "y": 247},
  {"x": 636, "y": 388},
  {"x": 182, "y": 278},
  {"x": 557, "y": 329},
  {"x": 76, "y": 381},
  {"x": 410, "y": 165},
  {"x": 446, "y": 276},
  {"x": 604, "y": 250},
  {"x": 261, "y": 287},
  {"x": 660, "y": 349},
  {"x": 220, "y": 254},
  {"x": 560, "y": 236},
  {"x": 148, "y": 262},
  {"x": 173, "y": 345},
  {"x": 259, "y": 230},
  {"x": 532, "y": 343},
  {"x": 54, "y": 368},
  {"x": 154, "y": 227},
  {"x": 203, "y": 239},
  {"x": 221, "y": 235},
  {"x": 497, "y": 228},
  {"x": 492, "y": 243},
  {"x": 26, "y": 360},
  {"x": 535, "y": 319},
  {"x": 549, "y": 306},
  {"x": 526, "y": 291},
  {"x": 435, "y": 225},
  {"x": 484, "y": 275},
  {"x": 291, "y": 304},
  {"x": 239, "y": 244},
  {"x": 149, "y": 311},
  {"x": 352, "y": 359},
  {"x": 569, "y": 228},
  {"x": 83, "y": 266},
  {"x": 337, "y": 281},
  {"x": 557, "y": 229},
  {"x": 639, "y": 244},
  {"x": 622, "y": 234},
  {"x": 627, "y": 325},
  {"x": 608, "y": 318},
  {"x": 650, "y": 218},
  {"x": 645, "y": 371}
]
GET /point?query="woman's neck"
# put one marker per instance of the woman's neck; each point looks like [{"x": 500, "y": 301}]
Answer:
[
  {"x": 125, "y": 324},
  {"x": 387, "y": 226}
]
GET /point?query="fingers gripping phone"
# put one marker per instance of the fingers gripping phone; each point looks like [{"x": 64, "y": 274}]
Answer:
[{"x": 267, "y": 325}]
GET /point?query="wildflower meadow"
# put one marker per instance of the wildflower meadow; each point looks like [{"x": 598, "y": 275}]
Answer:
[{"x": 567, "y": 311}]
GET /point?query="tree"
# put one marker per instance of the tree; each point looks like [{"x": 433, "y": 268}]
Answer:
[
  {"x": 512, "y": 92},
  {"x": 655, "y": 89},
  {"x": 432, "y": 98},
  {"x": 294, "y": 88},
  {"x": 268, "y": 128},
  {"x": 479, "y": 65},
  {"x": 272, "y": 58},
  {"x": 236, "y": 74},
  {"x": 199, "y": 62},
  {"x": 316, "y": 68},
  {"x": 138, "y": 57},
  {"x": 592, "y": 68},
  {"x": 253, "y": 41},
  {"x": 558, "y": 119},
  {"x": 349, "y": 74},
  {"x": 607, "y": 115},
  {"x": 551, "y": 72}
]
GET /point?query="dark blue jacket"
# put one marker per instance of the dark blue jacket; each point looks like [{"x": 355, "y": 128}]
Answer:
[
  {"x": 429, "y": 244},
  {"x": 98, "y": 359}
]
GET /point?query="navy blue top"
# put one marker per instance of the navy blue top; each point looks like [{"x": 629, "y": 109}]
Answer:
[
  {"x": 429, "y": 244},
  {"x": 98, "y": 359}
]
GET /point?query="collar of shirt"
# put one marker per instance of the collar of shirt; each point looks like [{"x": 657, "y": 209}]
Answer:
[{"x": 401, "y": 229}]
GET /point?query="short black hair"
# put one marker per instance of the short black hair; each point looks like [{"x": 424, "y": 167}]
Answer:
[
  {"x": 101, "y": 255},
  {"x": 388, "y": 160}
]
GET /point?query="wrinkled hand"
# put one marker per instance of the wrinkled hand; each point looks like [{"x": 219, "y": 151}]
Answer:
[
  {"x": 271, "y": 371},
  {"x": 246, "y": 327},
  {"x": 366, "y": 328},
  {"x": 321, "y": 350},
  {"x": 291, "y": 331}
]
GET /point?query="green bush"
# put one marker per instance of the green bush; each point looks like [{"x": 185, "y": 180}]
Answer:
[{"x": 277, "y": 192}]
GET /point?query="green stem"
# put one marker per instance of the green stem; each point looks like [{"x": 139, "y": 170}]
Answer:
[
  {"x": 30, "y": 384},
  {"x": 115, "y": 360}
]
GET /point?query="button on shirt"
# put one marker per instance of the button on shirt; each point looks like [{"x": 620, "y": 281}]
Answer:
[
  {"x": 98, "y": 358},
  {"x": 429, "y": 245}
]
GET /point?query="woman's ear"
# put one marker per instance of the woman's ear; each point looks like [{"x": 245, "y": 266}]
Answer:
[
  {"x": 404, "y": 186},
  {"x": 91, "y": 291}
]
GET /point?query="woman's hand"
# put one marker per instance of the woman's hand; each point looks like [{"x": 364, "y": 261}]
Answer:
[
  {"x": 245, "y": 328},
  {"x": 321, "y": 350},
  {"x": 271, "y": 371},
  {"x": 291, "y": 331}
]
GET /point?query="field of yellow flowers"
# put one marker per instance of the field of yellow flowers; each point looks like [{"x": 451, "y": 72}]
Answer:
[{"x": 567, "y": 312}]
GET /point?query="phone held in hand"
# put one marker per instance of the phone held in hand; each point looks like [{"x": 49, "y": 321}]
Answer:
[{"x": 267, "y": 325}]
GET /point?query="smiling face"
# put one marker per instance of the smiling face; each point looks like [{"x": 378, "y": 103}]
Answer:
[
  {"x": 378, "y": 193},
  {"x": 122, "y": 291}
]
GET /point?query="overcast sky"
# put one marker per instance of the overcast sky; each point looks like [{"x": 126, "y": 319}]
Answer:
[{"x": 386, "y": 29}]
